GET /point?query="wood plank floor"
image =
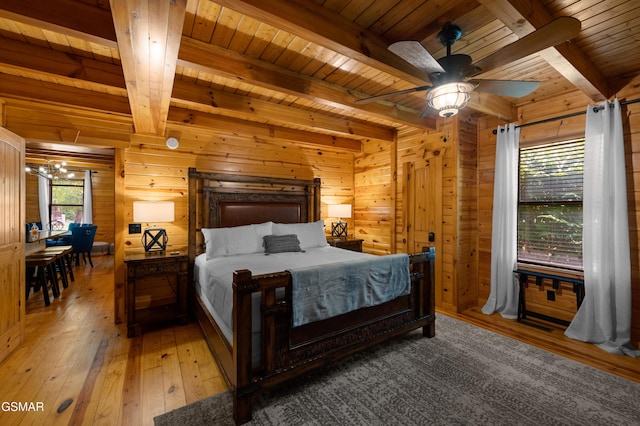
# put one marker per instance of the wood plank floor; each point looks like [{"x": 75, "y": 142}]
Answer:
[{"x": 74, "y": 355}]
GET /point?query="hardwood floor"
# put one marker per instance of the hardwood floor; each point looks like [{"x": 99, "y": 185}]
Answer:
[
  {"x": 75, "y": 356},
  {"x": 75, "y": 353}
]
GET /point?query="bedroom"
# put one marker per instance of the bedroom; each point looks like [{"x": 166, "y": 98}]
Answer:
[{"x": 359, "y": 162}]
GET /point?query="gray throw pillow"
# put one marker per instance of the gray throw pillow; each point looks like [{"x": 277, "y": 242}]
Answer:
[{"x": 281, "y": 243}]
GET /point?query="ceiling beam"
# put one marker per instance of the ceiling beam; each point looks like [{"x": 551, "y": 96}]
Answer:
[
  {"x": 25, "y": 56},
  {"x": 204, "y": 98},
  {"x": 24, "y": 88},
  {"x": 344, "y": 99},
  {"x": 524, "y": 17},
  {"x": 310, "y": 88},
  {"x": 87, "y": 22},
  {"x": 75, "y": 130},
  {"x": 67, "y": 69},
  {"x": 149, "y": 34},
  {"x": 217, "y": 60},
  {"x": 257, "y": 131},
  {"x": 319, "y": 25}
]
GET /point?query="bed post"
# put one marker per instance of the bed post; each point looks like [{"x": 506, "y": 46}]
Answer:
[
  {"x": 241, "y": 380},
  {"x": 316, "y": 200},
  {"x": 191, "y": 238},
  {"x": 430, "y": 292}
]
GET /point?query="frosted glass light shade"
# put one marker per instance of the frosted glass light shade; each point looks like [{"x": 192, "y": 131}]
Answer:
[{"x": 449, "y": 98}]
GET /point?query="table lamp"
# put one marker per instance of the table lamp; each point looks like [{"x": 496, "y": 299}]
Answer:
[
  {"x": 340, "y": 211},
  {"x": 153, "y": 212}
]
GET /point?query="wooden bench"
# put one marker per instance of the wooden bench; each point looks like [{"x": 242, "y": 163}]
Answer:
[{"x": 523, "y": 280}]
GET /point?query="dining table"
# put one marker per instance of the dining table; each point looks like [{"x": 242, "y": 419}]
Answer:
[{"x": 39, "y": 242}]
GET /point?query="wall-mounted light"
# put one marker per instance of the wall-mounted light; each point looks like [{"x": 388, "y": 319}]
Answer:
[
  {"x": 339, "y": 211},
  {"x": 449, "y": 98},
  {"x": 153, "y": 212}
]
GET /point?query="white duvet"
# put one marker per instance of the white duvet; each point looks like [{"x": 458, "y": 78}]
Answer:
[{"x": 214, "y": 277}]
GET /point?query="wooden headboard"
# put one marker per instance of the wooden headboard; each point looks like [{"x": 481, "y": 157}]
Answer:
[{"x": 222, "y": 200}]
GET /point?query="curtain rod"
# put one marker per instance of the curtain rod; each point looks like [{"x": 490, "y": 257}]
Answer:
[{"x": 562, "y": 117}]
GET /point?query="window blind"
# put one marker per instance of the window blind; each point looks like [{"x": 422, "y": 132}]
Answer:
[{"x": 550, "y": 204}]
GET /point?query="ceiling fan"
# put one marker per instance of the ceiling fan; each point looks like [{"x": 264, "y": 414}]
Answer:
[{"x": 450, "y": 76}]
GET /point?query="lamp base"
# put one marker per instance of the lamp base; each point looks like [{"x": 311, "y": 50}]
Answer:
[
  {"x": 339, "y": 230},
  {"x": 155, "y": 239}
]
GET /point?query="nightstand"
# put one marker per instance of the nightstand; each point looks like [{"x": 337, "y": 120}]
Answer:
[
  {"x": 352, "y": 244},
  {"x": 156, "y": 290}
]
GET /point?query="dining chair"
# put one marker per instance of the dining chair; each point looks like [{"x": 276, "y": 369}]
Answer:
[{"x": 82, "y": 242}]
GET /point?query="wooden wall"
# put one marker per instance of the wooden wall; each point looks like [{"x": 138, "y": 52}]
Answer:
[
  {"x": 374, "y": 216},
  {"x": 153, "y": 172}
]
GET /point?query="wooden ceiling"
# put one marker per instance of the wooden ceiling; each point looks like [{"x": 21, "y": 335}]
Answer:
[{"x": 297, "y": 66}]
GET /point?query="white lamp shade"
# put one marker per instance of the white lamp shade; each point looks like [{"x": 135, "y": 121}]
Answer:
[
  {"x": 153, "y": 211},
  {"x": 339, "y": 210}
]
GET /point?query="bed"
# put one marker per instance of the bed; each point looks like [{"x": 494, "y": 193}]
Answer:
[{"x": 264, "y": 340}]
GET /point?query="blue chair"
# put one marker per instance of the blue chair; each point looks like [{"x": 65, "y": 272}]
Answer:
[{"x": 82, "y": 242}]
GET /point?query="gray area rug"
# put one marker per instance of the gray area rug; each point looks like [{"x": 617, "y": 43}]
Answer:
[{"x": 464, "y": 376}]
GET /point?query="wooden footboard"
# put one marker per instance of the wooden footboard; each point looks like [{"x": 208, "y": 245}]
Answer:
[{"x": 287, "y": 352}]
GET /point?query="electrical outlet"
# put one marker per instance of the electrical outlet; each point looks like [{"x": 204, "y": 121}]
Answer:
[{"x": 135, "y": 228}]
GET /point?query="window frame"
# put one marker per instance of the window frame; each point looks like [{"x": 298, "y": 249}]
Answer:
[
  {"x": 539, "y": 264},
  {"x": 52, "y": 184}
]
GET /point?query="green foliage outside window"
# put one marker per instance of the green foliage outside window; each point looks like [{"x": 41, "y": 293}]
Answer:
[
  {"x": 550, "y": 204},
  {"x": 67, "y": 199}
]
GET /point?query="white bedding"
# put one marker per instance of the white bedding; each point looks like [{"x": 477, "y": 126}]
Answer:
[{"x": 214, "y": 277}]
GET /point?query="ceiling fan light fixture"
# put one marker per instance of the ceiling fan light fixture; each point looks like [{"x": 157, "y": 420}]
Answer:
[{"x": 449, "y": 98}]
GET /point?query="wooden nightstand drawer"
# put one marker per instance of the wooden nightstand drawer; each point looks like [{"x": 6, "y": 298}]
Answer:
[
  {"x": 156, "y": 290},
  {"x": 352, "y": 244},
  {"x": 158, "y": 267}
]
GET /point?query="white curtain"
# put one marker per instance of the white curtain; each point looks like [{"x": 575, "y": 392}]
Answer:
[
  {"x": 504, "y": 287},
  {"x": 43, "y": 201},
  {"x": 604, "y": 317},
  {"x": 87, "y": 208}
]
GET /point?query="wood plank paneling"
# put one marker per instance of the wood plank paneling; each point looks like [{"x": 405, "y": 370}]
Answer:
[{"x": 157, "y": 173}]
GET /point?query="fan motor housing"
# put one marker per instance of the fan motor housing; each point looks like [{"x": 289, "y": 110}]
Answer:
[{"x": 456, "y": 67}]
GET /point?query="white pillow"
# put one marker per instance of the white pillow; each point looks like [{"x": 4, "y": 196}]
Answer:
[
  {"x": 309, "y": 234},
  {"x": 235, "y": 240}
]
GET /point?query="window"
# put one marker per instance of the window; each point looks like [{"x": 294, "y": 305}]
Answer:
[
  {"x": 67, "y": 198},
  {"x": 550, "y": 204}
]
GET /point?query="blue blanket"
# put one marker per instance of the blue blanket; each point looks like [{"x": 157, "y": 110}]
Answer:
[{"x": 321, "y": 292}]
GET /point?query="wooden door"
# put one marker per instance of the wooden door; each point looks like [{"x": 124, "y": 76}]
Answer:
[
  {"x": 12, "y": 242},
  {"x": 424, "y": 212}
]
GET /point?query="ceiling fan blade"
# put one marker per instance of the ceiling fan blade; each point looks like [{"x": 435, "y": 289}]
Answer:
[
  {"x": 415, "y": 53},
  {"x": 555, "y": 32},
  {"x": 513, "y": 88},
  {"x": 389, "y": 95}
]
